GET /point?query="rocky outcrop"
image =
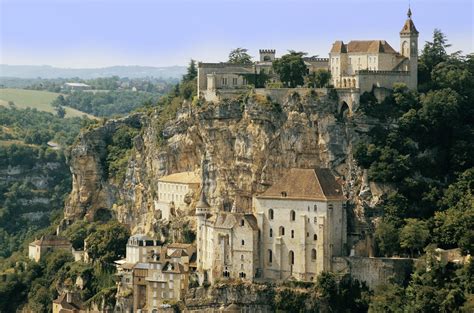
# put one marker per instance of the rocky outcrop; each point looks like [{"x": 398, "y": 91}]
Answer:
[
  {"x": 241, "y": 297},
  {"x": 246, "y": 146},
  {"x": 91, "y": 188}
]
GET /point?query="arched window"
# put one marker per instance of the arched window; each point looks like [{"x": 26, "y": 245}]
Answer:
[
  {"x": 243, "y": 242},
  {"x": 291, "y": 257},
  {"x": 270, "y": 256},
  {"x": 281, "y": 231},
  {"x": 270, "y": 214},
  {"x": 315, "y": 237},
  {"x": 292, "y": 215},
  {"x": 315, "y": 208},
  {"x": 313, "y": 254},
  {"x": 271, "y": 232},
  {"x": 241, "y": 256},
  {"x": 292, "y": 233}
]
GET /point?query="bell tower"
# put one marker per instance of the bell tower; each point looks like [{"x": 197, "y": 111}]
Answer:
[{"x": 409, "y": 49}]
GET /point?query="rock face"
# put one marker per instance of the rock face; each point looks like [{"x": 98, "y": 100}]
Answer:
[
  {"x": 230, "y": 298},
  {"x": 246, "y": 146}
]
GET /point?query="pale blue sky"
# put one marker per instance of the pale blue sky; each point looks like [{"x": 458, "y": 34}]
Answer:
[{"x": 95, "y": 33}]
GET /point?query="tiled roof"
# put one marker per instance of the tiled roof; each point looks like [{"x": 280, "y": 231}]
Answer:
[
  {"x": 311, "y": 184},
  {"x": 178, "y": 253},
  {"x": 178, "y": 245},
  {"x": 361, "y": 46},
  {"x": 51, "y": 240},
  {"x": 181, "y": 178}
]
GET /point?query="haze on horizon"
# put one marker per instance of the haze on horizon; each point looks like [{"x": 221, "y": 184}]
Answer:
[{"x": 100, "y": 33}]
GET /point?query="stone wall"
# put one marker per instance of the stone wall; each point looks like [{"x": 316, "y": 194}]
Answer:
[
  {"x": 374, "y": 271},
  {"x": 386, "y": 79}
]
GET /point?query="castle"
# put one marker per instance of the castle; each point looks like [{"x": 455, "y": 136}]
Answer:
[
  {"x": 356, "y": 67},
  {"x": 297, "y": 226}
]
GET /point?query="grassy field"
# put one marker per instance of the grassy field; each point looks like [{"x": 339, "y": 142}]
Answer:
[{"x": 41, "y": 100}]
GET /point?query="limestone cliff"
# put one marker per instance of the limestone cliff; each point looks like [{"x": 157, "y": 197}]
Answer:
[{"x": 246, "y": 144}]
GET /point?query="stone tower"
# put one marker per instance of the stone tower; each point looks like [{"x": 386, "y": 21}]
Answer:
[
  {"x": 267, "y": 55},
  {"x": 409, "y": 49}
]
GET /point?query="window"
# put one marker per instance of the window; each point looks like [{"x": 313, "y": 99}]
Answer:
[
  {"x": 292, "y": 233},
  {"x": 315, "y": 237},
  {"x": 315, "y": 220},
  {"x": 234, "y": 81},
  {"x": 242, "y": 223},
  {"x": 291, "y": 258},
  {"x": 281, "y": 231},
  {"x": 270, "y": 214},
  {"x": 271, "y": 232},
  {"x": 292, "y": 215},
  {"x": 313, "y": 254},
  {"x": 307, "y": 234},
  {"x": 308, "y": 208},
  {"x": 315, "y": 208},
  {"x": 224, "y": 81},
  {"x": 242, "y": 257},
  {"x": 284, "y": 194},
  {"x": 270, "y": 256},
  {"x": 243, "y": 242},
  {"x": 330, "y": 207}
]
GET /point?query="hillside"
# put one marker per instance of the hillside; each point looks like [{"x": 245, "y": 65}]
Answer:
[
  {"x": 46, "y": 71},
  {"x": 40, "y": 100}
]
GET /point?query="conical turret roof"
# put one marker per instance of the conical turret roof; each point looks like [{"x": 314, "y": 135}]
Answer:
[{"x": 202, "y": 203}]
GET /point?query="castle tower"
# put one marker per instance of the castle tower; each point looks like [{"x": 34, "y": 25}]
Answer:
[
  {"x": 267, "y": 55},
  {"x": 409, "y": 49}
]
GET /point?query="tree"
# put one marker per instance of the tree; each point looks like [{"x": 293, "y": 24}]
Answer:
[
  {"x": 191, "y": 71},
  {"x": 291, "y": 69},
  {"x": 60, "y": 101},
  {"x": 388, "y": 298},
  {"x": 60, "y": 111},
  {"x": 107, "y": 244},
  {"x": 434, "y": 52},
  {"x": 319, "y": 79},
  {"x": 240, "y": 56},
  {"x": 386, "y": 236},
  {"x": 414, "y": 235}
]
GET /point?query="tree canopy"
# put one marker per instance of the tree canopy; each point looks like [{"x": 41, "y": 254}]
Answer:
[
  {"x": 291, "y": 69},
  {"x": 240, "y": 56}
]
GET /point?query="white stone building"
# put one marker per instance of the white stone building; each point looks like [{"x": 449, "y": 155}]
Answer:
[
  {"x": 227, "y": 244},
  {"x": 302, "y": 221},
  {"x": 175, "y": 193}
]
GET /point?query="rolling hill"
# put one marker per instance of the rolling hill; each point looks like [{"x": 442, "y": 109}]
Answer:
[{"x": 41, "y": 100}]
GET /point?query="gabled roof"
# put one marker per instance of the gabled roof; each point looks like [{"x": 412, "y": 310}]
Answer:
[
  {"x": 338, "y": 47},
  {"x": 178, "y": 253},
  {"x": 51, "y": 240},
  {"x": 306, "y": 184},
  {"x": 362, "y": 46},
  {"x": 181, "y": 178},
  {"x": 229, "y": 220}
]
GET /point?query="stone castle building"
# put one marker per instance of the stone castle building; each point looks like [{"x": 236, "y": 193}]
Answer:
[
  {"x": 227, "y": 244},
  {"x": 355, "y": 67},
  {"x": 363, "y": 64},
  {"x": 297, "y": 226}
]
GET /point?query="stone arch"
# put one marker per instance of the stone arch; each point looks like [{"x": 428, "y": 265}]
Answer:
[
  {"x": 353, "y": 83},
  {"x": 344, "y": 109}
]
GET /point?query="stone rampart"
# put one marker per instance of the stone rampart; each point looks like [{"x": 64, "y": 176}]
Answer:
[{"x": 374, "y": 271}]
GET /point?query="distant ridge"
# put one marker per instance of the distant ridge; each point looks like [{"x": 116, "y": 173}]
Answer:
[{"x": 49, "y": 72}]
